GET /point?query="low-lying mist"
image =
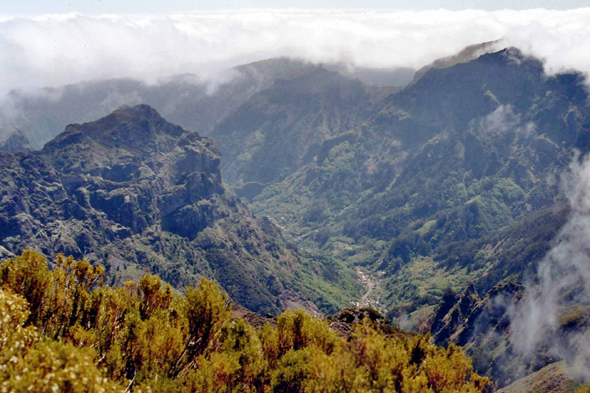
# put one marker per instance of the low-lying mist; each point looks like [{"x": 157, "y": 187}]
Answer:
[{"x": 561, "y": 284}]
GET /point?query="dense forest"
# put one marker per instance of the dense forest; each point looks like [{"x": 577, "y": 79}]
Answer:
[{"x": 63, "y": 329}]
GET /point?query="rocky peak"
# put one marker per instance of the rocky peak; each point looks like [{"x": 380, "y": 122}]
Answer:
[
  {"x": 446, "y": 325},
  {"x": 14, "y": 141},
  {"x": 473, "y": 317},
  {"x": 138, "y": 112},
  {"x": 345, "y": 322},
  {"x": 134, "y": 144},
  {"x": 468, "y": 54},
  {"x": 139, "y": 129}
]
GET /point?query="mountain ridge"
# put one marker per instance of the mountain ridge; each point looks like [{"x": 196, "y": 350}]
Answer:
[
  {"x": 188, "y": 100},
  {"x": 455, "y": 156}
]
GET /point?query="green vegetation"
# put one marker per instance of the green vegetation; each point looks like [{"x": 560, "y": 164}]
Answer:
[
  {"x": 435, "y": 207},
  {"x": 278, "y": 130},
  {"x": 64, "y": 330}
]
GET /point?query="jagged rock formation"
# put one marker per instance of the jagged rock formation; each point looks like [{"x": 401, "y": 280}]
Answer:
[
  {"x": 254, "y": 319},
  {"x": 140, "y": 194},
  {"x": 471, "y": 316},
  {"x": 345, "y": 321},
  {"x": 484, "y": 328}
]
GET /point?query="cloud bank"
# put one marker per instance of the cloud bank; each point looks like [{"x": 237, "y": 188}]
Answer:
[{"x": 52, "y": 50}]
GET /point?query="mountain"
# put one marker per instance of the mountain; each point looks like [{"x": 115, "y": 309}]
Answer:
[
  {"x": 14, "y": 141},
  {"x": 469, "y": 53},
  {"x": 434, "y": 202},
  {"x": 452, "y": 182},
  {"x": 484, "y": 327},
  {"x": 460, "y": 154},
  {"x": 136, "y": 193},
  {"x": 555, "y": 378},
  {"x": 189, "y": 100}
]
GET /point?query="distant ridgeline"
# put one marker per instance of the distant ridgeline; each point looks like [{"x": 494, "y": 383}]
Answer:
[{"x": 444, "y": 194}]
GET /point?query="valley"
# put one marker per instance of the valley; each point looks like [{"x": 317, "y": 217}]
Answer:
[{"x": 301, "y": 186}]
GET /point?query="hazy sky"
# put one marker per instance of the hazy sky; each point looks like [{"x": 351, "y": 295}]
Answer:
[{"x": 165, "y": 6}]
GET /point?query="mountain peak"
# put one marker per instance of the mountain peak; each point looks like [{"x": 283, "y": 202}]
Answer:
[
  {"x": 469, "y": 53},
  {"x": 14, "y": 141},
  {"x": 138, "y": 128},
  {"x": 138, "y": 111}
]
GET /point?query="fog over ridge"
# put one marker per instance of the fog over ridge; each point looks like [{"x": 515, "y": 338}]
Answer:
[
  {"x": 57, "y": 49},
  {"x": 562, "y": 280}
]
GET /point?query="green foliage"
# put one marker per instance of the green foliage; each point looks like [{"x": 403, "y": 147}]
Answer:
[
  {"x": 31, "y": 362},
  {"x": 78, "y": 335},
  {"x": 14, "y": 338},
  {"x": 28, "y": 276},
  {"x": 53, "y": 366}
]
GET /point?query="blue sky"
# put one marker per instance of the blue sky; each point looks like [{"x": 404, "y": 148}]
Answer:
[{"x": 167, "y": 6}]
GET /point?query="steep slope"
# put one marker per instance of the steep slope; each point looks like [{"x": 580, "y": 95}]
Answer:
[
  {"x": 556, "y": 378},
  {"x": 460, "y": 154},
  {"x": 484, "y": 326},
  {"x": 138, "y": 193},
  {"x": 468, "y": 54},
  {"x": 280, "y": 129}
]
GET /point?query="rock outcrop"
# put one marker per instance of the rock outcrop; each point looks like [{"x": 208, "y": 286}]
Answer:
[{"x": 13, "y": 141}]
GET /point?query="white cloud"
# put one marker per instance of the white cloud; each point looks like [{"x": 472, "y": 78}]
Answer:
[
  {"x": 563, "y": 279},
  {"x": 51, "y": 50}
]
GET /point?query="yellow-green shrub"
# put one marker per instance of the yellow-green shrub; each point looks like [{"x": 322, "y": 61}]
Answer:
[{"x": 64, "y": 329}]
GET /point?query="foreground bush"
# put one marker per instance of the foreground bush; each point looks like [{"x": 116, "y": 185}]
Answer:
[{"x": 64, "y": 330}]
